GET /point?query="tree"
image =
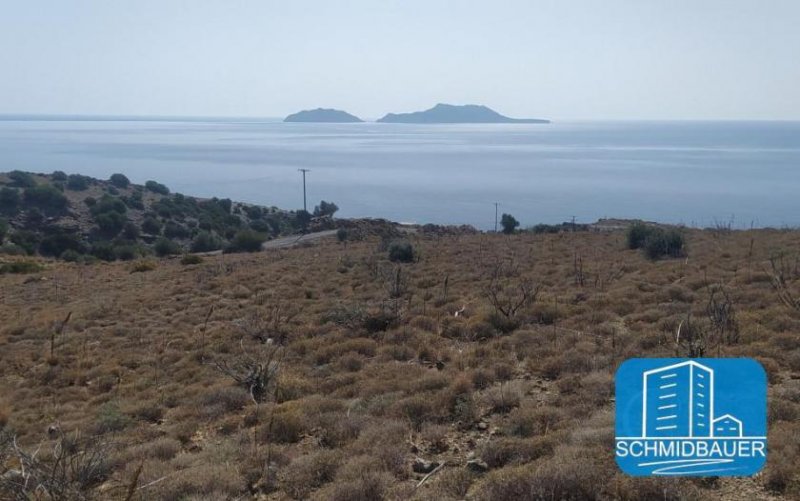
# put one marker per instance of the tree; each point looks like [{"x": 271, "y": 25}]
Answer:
[
  {"x": 156, "y": 187},
  {"x": 21, "y": 179},
  {"x": 119, "y": 180},
  {"x": 246, "y": 241},
  {"x": 302, "y": 218},
  {"x": 401, "y": 251},
  {"x": 77, "y": 182},
  {"x": 325, "y": 209},
  {"x": 46, "y": 198},
  {"x": 9, "y": 200},
  {"x": 205, "y": 242},
  {"x": 151, "y": 226},
  {"x": 3, "y": 229},
  {"x": 166, "y": 247},
  {"x": 509, "y": 223}
]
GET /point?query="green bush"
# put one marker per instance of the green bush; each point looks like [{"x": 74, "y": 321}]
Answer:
[
  {"x": 77, "y": 182},
  {"x": 126, "y": 252},
  {"x": 12, "y": 250},
  {"x": 664, "y": 243},
  {"x": 103, "y": 250},
  {"x": 325, "y": 209},
  {"x": 110, "y": 223},
  {"x": 341, "y": 235},
  {"x": 130, "y": 231},
  {"x": 20, "y": 267},
  {"x": 151, "y": 226},
  {"x": 509, "y": 223},
  {"x": 191, "y": 259},
  {"x": 176, "y": 230},
  {"x": 21, "y": 179},
  {"x": 3, "y": 229},
  {"x": 109, "y": 204},
  {"x": 656, "y": 242},
  {"x": 166, "y": 247},
  {"x": 57, "y": 243},
  {"x": 71, "y": 256},
  {"x": 636, "y": 235},
  {"x": 156, "y": 187},
  {"x": 47, "y": 198},
  {"x": 246, "y": 241},
  {"x": 119, "y": 180},
  {"x": 401, "y": 251},
  {"x": 9, "y": 200},
  {"x": 58, "y": 175},
  {"x": 301, "y": 219},
  {"x": 27, "y": 240},
  {"x": 206, "y": 242}
]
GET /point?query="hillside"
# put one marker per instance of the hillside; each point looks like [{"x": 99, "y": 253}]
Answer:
[
  {"x": 75, "y": 217},
  {"x": 448, "y": 113},
  {"x": 331, "y": 372},
  {"x": 322, "y": 115}
]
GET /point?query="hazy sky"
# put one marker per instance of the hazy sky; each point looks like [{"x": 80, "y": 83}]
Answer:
[{"x": 560, "y": 59}]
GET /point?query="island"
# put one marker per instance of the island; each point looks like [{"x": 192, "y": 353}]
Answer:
[
  {"x": 323, "y": 115},
  {"x": 453, "y": 114}
]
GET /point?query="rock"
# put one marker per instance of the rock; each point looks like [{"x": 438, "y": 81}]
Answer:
[
  {"x": 483, "y": 426},
  {"x": 422, "y": 466},
  {"x": 477, "y": 465}
]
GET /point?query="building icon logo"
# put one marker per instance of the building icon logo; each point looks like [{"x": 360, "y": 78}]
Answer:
[{"x": 691, "y": 417}]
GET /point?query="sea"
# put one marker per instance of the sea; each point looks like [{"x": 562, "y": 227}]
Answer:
[{"x": 740, "y": 174}]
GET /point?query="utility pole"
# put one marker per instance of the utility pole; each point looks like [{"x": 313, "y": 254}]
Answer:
[
  {"x": 305, "y": 207},
  {"x": 495, "y": 216}
]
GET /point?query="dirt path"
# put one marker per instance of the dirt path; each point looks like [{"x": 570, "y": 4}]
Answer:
[{"x": 283, "y": 242}]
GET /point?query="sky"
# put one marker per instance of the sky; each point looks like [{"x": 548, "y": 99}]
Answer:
[{"x": 577, "y": 59}]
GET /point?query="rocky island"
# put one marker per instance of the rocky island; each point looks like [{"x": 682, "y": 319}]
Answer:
[
  {"x": 323, "y": 115},
  {"x": 448, "y": 113}
]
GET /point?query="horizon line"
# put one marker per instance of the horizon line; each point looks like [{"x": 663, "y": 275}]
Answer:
[{"x": 37, "y": 116}]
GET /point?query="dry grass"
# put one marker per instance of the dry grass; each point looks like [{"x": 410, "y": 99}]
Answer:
[{"x": 375, "y": 369}]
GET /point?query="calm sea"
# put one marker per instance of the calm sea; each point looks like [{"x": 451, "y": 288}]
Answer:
[{"x": 696, "y": 173}]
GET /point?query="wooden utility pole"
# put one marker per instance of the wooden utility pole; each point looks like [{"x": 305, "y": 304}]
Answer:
[
  {"x": 305, "y": 207},
  {"x": 495, "y": 216}
]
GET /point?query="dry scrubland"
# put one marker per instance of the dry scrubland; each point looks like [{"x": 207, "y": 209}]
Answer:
[{"x": 370, "y": 368}]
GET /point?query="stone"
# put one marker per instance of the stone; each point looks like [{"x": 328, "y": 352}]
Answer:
[{"x": 422, "y": 466}]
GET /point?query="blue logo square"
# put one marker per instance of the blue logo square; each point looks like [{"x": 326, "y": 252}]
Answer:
[{"x": 691, "y": 417}]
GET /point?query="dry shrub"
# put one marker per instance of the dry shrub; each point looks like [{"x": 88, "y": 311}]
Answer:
[
  {"x": 162, "y": 449},
  {"x": 450, "y": 484},
  {"x": 503, "y": 451},
  {"x": 574, "y": 477},
  {"x": 291, "y": 387},
  {"x": 416, "y": 409},
  {"x": 309, "y": 472},
  {"x": 284, "y": 426},
  {"x": 370, "y": 486},
  {"x": 435, "y": 435},
  {"x": 336, "y": 429},
  {"x": 482, "y": 378},
  {"x": 213, "y": 480},
  {"x": 223, "y": 400},
  {"x": 5, "y": 415},
  {"x": 625, "y": 488},
  {"x": 781, "y": 474},
  {"x": 503, "y": 397},
  {"x": 530, "y": 421},
  {"x": 780, "y": 409}
]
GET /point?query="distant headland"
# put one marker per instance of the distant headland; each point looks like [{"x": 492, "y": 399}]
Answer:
[
  {"x": 323, "y": 115},
  {"x": 452, "y": 114}
]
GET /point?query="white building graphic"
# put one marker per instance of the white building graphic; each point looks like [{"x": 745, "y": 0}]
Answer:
[
  {"x": 728, "y": 426},
  {"x": 678, "y": 401}
]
